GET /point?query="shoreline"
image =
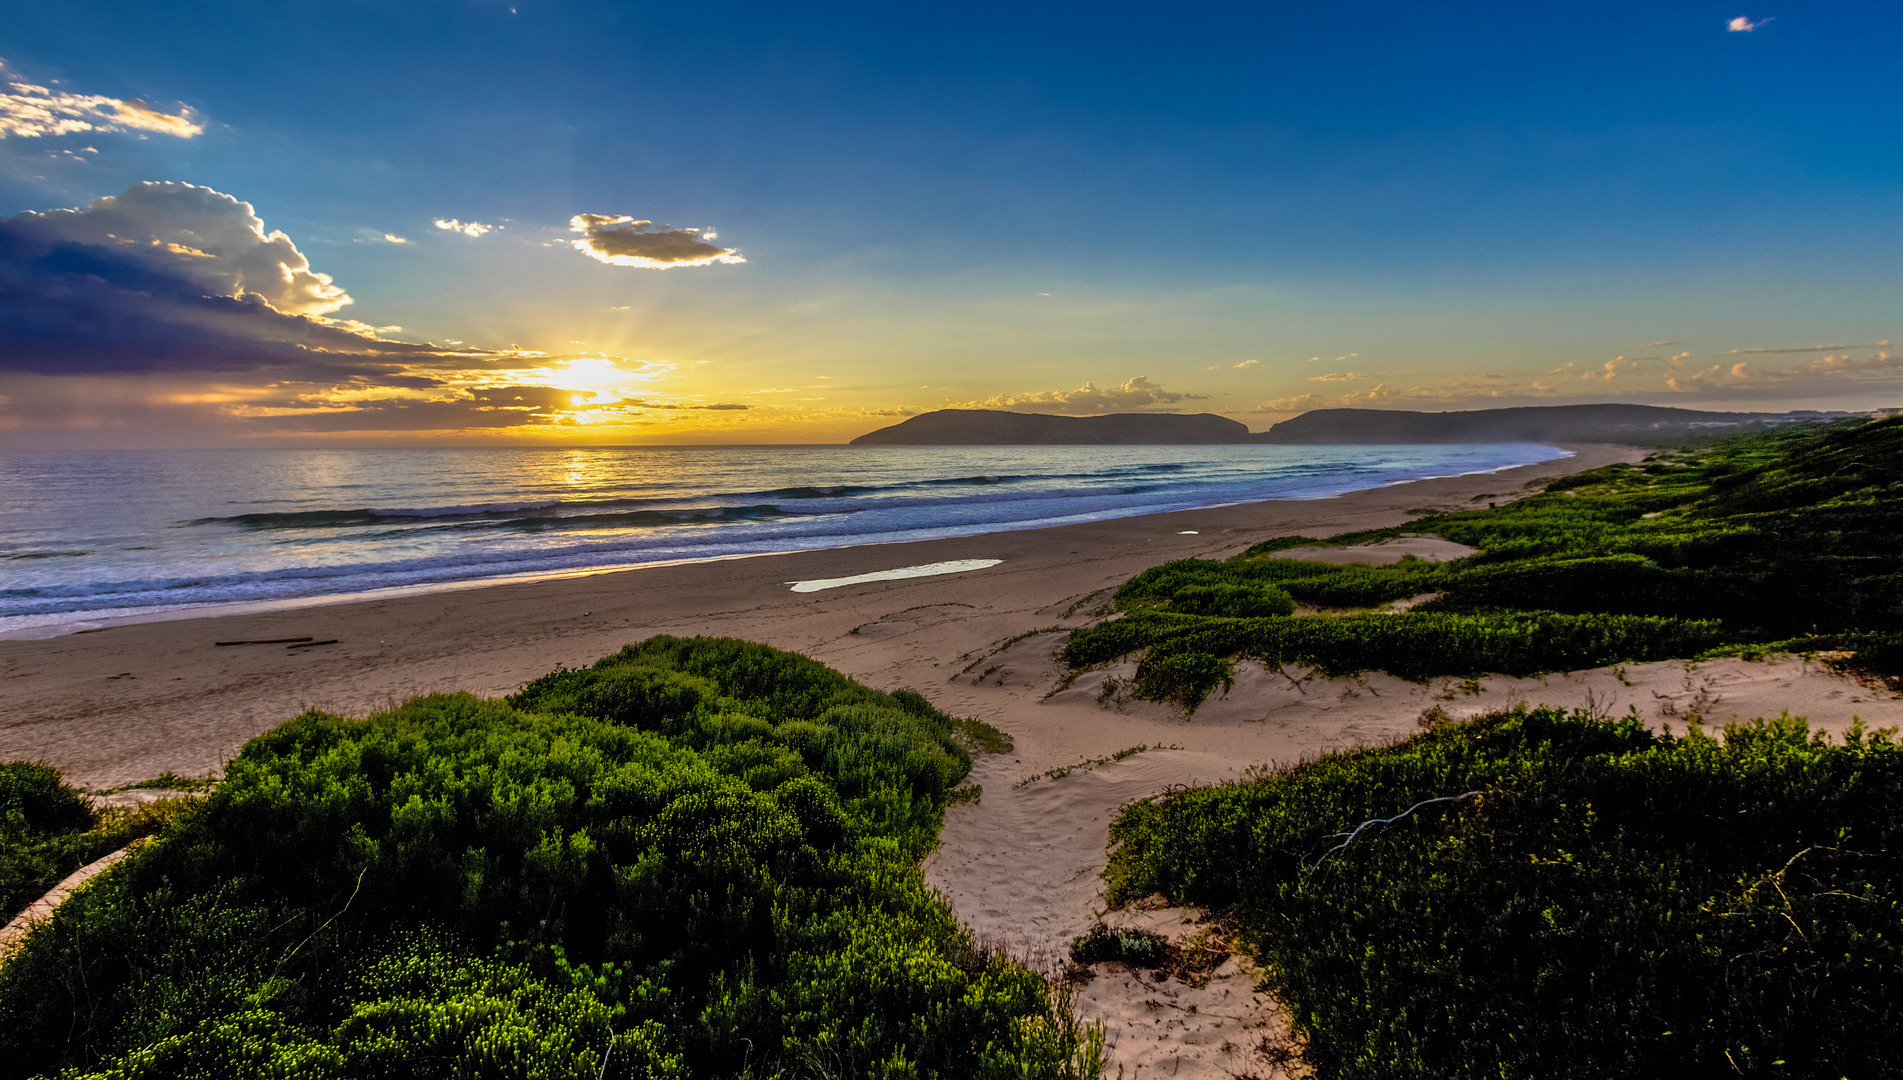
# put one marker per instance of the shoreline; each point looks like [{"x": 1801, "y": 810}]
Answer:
[
  {"x": 51, "y": 625},
  {"x": 132, "y": 699}
]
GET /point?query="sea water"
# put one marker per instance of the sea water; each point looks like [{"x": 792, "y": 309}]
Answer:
[{"x": 93, "y": 535}]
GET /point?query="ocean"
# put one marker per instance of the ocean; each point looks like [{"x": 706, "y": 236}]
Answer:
[{"x": 94, "y": 535}]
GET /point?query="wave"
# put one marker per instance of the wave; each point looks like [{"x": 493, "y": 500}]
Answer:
[
  {"x": 609, "y": 513},
  {"x": 294, "y": 546}
]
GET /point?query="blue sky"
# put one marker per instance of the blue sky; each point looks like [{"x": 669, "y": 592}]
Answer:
[{"x": 1185, "y": 207}]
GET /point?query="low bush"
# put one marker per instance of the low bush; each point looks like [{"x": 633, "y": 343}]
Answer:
[
  {"x": 1537, "y": 894},
  {"x": 1781, "y": 537},
  {"x": 696, "y": 857},
  {"x": 1129, "y": 945},
  {"x": 49, "y": 829}
]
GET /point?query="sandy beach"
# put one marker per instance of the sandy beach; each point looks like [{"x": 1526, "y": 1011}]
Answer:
[{"x": 1021, "y": 865}]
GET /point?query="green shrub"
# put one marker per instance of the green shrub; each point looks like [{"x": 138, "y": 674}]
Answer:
[
  {"x": 1233, "y": 601},
  {"x": 63, "y": 832},
  {"x": 1585, "y": 899},
  {"x": 1412, "y": 644},
  {"x": 1132, "y": 946},
  {"x": 1184, "y": 676},
  {"x": 717, "y": 868},
  {"x": 1784, "y": 536},
  {"x": 34, "y": 799}
]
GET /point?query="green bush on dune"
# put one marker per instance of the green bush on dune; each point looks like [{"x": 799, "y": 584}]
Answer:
[
  {"x": 1589, "y": 899},
  {"x": 48, "y": 830},
  {"x": 1786, "y": 537},
  {"x": 697, "y": 857}
]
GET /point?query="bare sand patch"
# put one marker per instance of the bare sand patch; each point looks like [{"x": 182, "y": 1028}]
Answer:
[{"x": 1428, "y": 548}]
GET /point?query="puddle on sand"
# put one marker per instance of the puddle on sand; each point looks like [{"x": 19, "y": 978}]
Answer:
[{"x": 956, "y": 566}]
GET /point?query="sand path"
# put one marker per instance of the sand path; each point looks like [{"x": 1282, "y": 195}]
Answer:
[{"x": 1021, "y": 865}]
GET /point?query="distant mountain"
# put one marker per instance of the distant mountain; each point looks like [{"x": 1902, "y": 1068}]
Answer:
[
  {"x": 1644, "y": 424},
  {"x": 990, "y": 427},
  {"x": 1638, "y": 424}
]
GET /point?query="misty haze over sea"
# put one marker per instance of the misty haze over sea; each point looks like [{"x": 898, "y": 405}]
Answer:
[{"x": 117, "y": 533}]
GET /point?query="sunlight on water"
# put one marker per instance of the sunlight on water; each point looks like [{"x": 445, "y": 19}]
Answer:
[{"x": 107, "y": 531}]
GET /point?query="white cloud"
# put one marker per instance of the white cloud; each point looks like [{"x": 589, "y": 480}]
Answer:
[
  {"x": 1613, "y": 366},
  {"x": 1338, "y": 376},
  {"x": 394, "y": 238},
  {"x": 1137, "y": 393},
  {"x": 30, "y": 112},
  {"x": 1823, "y": 372},
  {"x": 620, "y": 240},
  {"x": 202, "y": 236},
  {"x": 1299, "y": 403},
  {"x": 1246, "y": 363},
  {"x": 1381, "y": 392},
  {"x": 471, "y": 229},
  {"x": 1743, "y": 25}
]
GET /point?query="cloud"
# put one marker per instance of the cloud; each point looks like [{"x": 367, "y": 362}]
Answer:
[
  {"x": 31, "y": 112},
  {"x": 626, "y": 241},
  {"x": 199, "y": 235},
  {"x": 1338, "y": 376},
  {"x": 1246, "y": 363},
  {"x": 471, "y": 229},
  {"x": 394, "y": 238},
  {"x": 724, "y": 407},
  {"x": 1381, "y": 392},
  {"x": 527, "y": 397},
  {"x": 1613, "y": 366},
  {"x": 1805, "y": 349},
  {"x": 1825, "y": 372},
  {"x": 1743, "y": 25},
  {"x": 172, "y": 277},
  {"x": 173, "y": 308},
  {"x": 1137, "y": 393},
  {"x": 1470, "y": 387},
  {"x": 1299, "y": 403}
]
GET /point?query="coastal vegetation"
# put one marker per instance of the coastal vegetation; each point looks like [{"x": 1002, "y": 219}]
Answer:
[
  {"x": 48, "y": 830},
  {"x": 695, "y": 857},
  {"x": 1541, "y": 894},
  {"x": 1780, "y": 541}
]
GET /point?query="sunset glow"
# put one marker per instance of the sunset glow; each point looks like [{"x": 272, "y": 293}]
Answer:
[{"x": 211, "y": 253}]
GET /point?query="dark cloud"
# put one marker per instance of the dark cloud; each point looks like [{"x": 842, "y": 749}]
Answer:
[
  {"x": 1805, "y": 349},
  {"x": 172, "y": 277},
  {"x": 402, "y": 414},
  {"x": 626, "y": 241},
  {"x": 173, "y": 301},
  {"x": 527, "y": 397},
  {"x": 633, "y": 403}
]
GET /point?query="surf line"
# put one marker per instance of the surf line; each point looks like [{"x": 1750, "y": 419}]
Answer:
[{"x": 956, "y": 566}]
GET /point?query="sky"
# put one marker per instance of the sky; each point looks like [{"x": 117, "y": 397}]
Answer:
[{"x": 524, "y": 222}]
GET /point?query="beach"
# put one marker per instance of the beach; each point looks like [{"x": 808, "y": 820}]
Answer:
[{"x": 127, "y": 702}]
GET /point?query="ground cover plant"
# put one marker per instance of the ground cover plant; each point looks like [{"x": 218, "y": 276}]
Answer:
[
  {"x": 1791, "y": 539},
  {"x": 697, "y": 857},
  {"x": 1541, "y": 894},
  {"x": 49, "y": 829}
]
